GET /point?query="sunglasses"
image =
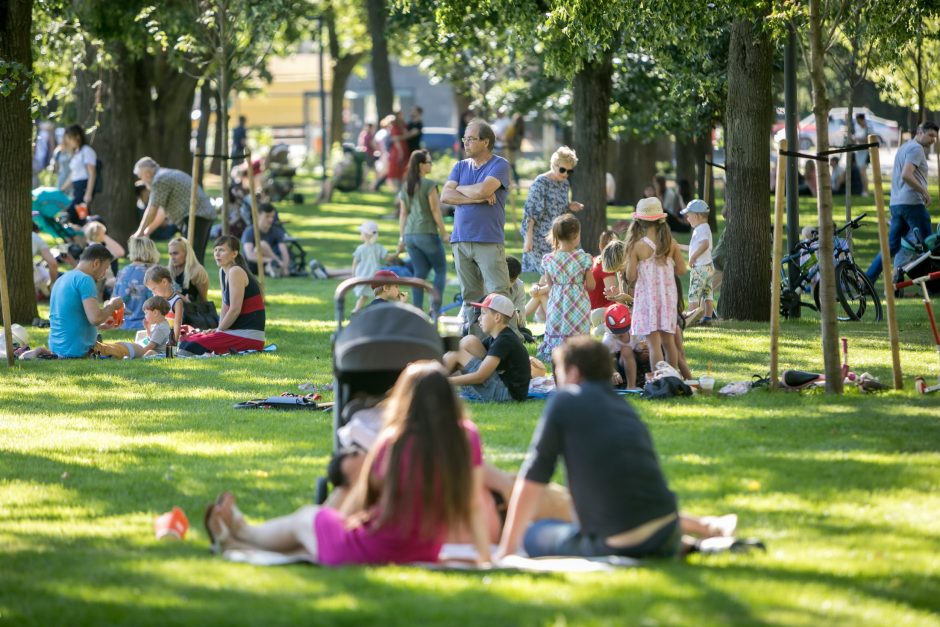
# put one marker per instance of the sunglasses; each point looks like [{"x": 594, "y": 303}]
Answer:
[{"x": 565, "y": 170}]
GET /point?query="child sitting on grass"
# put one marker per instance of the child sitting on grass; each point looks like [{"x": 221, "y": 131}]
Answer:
[
  {"x": 496, "y": 369},
  {"x": 701, "y": 268},
  {"x": 158, "y": 333},
  {"x": 159, "y": 280},
  {"x": 617, "y": 339}
]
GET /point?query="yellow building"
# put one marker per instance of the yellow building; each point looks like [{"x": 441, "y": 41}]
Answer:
[{"x": 291, "y": 101}]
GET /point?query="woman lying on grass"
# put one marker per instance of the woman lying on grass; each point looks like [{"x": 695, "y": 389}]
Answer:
[{"x": 417, "y": 482}]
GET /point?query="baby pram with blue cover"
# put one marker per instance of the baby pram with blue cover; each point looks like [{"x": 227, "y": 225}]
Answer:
[{"x": 49, "y": 205}]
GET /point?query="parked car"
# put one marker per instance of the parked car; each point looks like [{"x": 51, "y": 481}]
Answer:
[
  {"x": 888, "y": 131},
  {"x": 438, "y": 139}
]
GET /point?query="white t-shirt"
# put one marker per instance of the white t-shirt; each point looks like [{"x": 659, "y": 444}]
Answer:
[
  {"x": 77, "y": 164},
  {"x": 39, "y": 244},
  {"x": 702, "y": 233},
  {"x": 616, "y": 342}
]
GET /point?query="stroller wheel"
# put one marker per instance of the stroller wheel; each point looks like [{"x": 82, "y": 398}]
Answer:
[{"x": 298, "y": 199}]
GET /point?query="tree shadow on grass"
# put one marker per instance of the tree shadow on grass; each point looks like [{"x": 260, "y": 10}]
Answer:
[{"x": 117, "y": 586}]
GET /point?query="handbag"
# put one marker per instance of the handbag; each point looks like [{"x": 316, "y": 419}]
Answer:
[{"x": 200, "y": 314}]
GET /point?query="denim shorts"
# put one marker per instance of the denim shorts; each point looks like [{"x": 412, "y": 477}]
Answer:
[
  {"x": 491, "y": 390},
  {"x": 560, "y": 538}
]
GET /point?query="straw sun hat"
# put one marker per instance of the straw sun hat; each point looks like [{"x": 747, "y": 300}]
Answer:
[{"x": 649, "y": 209}]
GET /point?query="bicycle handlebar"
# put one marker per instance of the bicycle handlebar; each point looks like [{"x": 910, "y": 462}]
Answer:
[{"x": 807, "y": 245}]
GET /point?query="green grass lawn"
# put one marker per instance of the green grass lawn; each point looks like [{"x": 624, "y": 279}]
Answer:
[{"x": 844, "y": 490}]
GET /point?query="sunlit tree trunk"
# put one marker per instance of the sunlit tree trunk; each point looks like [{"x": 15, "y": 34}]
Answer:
[
  {"x": 745, "y": 293},
  {"x": 827, "y": 281},
  {"x": 16, "y": 160}
]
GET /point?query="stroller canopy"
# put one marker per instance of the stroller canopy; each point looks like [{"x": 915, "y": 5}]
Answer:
[{"x": 386, "y": 336}]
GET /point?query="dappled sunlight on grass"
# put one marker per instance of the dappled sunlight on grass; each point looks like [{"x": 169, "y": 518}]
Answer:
[{"x": 843, "y": 489}]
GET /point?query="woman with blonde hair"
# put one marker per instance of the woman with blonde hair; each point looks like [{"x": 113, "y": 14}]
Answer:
[
  {"x": 142, "y": 253},
  {"x": 422, "y": 478},
  {"x": 188, "y": 273},
  {"x": 548, "y": 198}
]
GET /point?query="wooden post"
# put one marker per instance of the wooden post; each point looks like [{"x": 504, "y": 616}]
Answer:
[
  {"x": 777, "y": 261},
  {"x": 887, "y": 264},
  {"x": 192, "y": 199},
  {"x": 5, "y": 298},
  {"x": 259, "y": 256},
  {"x": 709, "y": 187}
]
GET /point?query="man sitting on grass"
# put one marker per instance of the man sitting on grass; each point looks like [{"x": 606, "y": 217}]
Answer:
[
  {"x": 74, "y": 312},
  {"x": 622, "y": 501},
  {"x": 496, "y": 369}
]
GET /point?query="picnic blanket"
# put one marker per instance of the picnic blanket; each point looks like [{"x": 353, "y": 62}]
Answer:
[
  {"x": 270, "y": 348},
  {"x": 458, "y": 557}
]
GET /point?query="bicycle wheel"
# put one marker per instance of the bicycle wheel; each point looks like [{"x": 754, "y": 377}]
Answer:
[{"x": 855, "y": 292}]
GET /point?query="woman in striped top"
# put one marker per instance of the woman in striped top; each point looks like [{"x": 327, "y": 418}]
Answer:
[{"x": 241, "y": 322}]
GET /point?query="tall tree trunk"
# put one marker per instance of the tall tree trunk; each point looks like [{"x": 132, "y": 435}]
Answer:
[
  {"x": 745, "y": 293},
  {"x": 16, "y": 18},
  {"x": 120, "y": 135},
  {"x": 829, "y": 326},
  {"x": 202, "y": 131},
  {"x": 591, "y": 87},
  {"x": 218, "y": 143},
  {"x": 686, "y": 162},
  {"x": 170, "y": 114},
  {"x": 381, "y": 68},
  {"x": 633, "y": 168},
  {"x": 343, "y": 66}
]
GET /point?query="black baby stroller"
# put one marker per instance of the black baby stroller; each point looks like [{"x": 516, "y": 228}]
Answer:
[
  {"x": 919, "y": 256},
  {"x": 372, "y": 350},
  {"x": 277, "y": 182}
]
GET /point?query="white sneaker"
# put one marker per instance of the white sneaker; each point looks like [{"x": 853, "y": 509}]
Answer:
[
  {"x": 722, "y": 526},
  {"x": 693, "y": 316}
]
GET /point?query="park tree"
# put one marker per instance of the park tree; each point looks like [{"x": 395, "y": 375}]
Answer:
[
  {"x": 16, "y": 82},
  {"x": 347, "y": 43},
  {"x": 377, "y": 17},
  {"x": 745, "y": 294},
  {"x": 907, "y": 77}
]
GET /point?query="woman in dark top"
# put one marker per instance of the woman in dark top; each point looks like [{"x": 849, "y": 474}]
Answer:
[
  {"x": 188, "y": 274},
  {"x": 241, "y": 325}
]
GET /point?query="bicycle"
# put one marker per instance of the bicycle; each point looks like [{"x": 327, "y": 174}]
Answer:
[{"x": 854, "y": 290}]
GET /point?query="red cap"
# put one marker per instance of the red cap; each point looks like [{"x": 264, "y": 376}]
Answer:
[
  {"x": 617, "y": 318},
  {"x": 381, "y": 274}
]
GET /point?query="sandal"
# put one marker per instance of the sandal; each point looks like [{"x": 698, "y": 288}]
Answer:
[{"x": 218, "y": 531}]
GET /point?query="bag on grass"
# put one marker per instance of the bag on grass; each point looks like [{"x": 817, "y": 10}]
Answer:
[
  {"x": 666, "y": 387},
  {"x": 200, "y": 315}
]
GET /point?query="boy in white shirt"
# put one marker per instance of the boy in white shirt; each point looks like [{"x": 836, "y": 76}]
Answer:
[{"x": 701, "y": 268}]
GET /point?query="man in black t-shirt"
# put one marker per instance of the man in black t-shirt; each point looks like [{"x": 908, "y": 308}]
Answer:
[
  {"x": 496, "y": 369},
  {"x": 623, "y": 503},
  {"x": 415, "y": 129}
]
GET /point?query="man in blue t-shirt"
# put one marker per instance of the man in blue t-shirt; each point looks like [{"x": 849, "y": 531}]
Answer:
[
  {"x": 478, "y": 187},
  {"x": 909, "y": 194},
  {"x": 74, "y": 312}
]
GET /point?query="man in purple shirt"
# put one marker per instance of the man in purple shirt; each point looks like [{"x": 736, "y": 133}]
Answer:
[{"x": 478, "y": 187}]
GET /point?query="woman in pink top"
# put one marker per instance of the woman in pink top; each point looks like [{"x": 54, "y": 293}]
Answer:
[{"x": 422, "y": 478}]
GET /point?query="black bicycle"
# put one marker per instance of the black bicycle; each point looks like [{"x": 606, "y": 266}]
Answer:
[{"x": 854, "y": 290}]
